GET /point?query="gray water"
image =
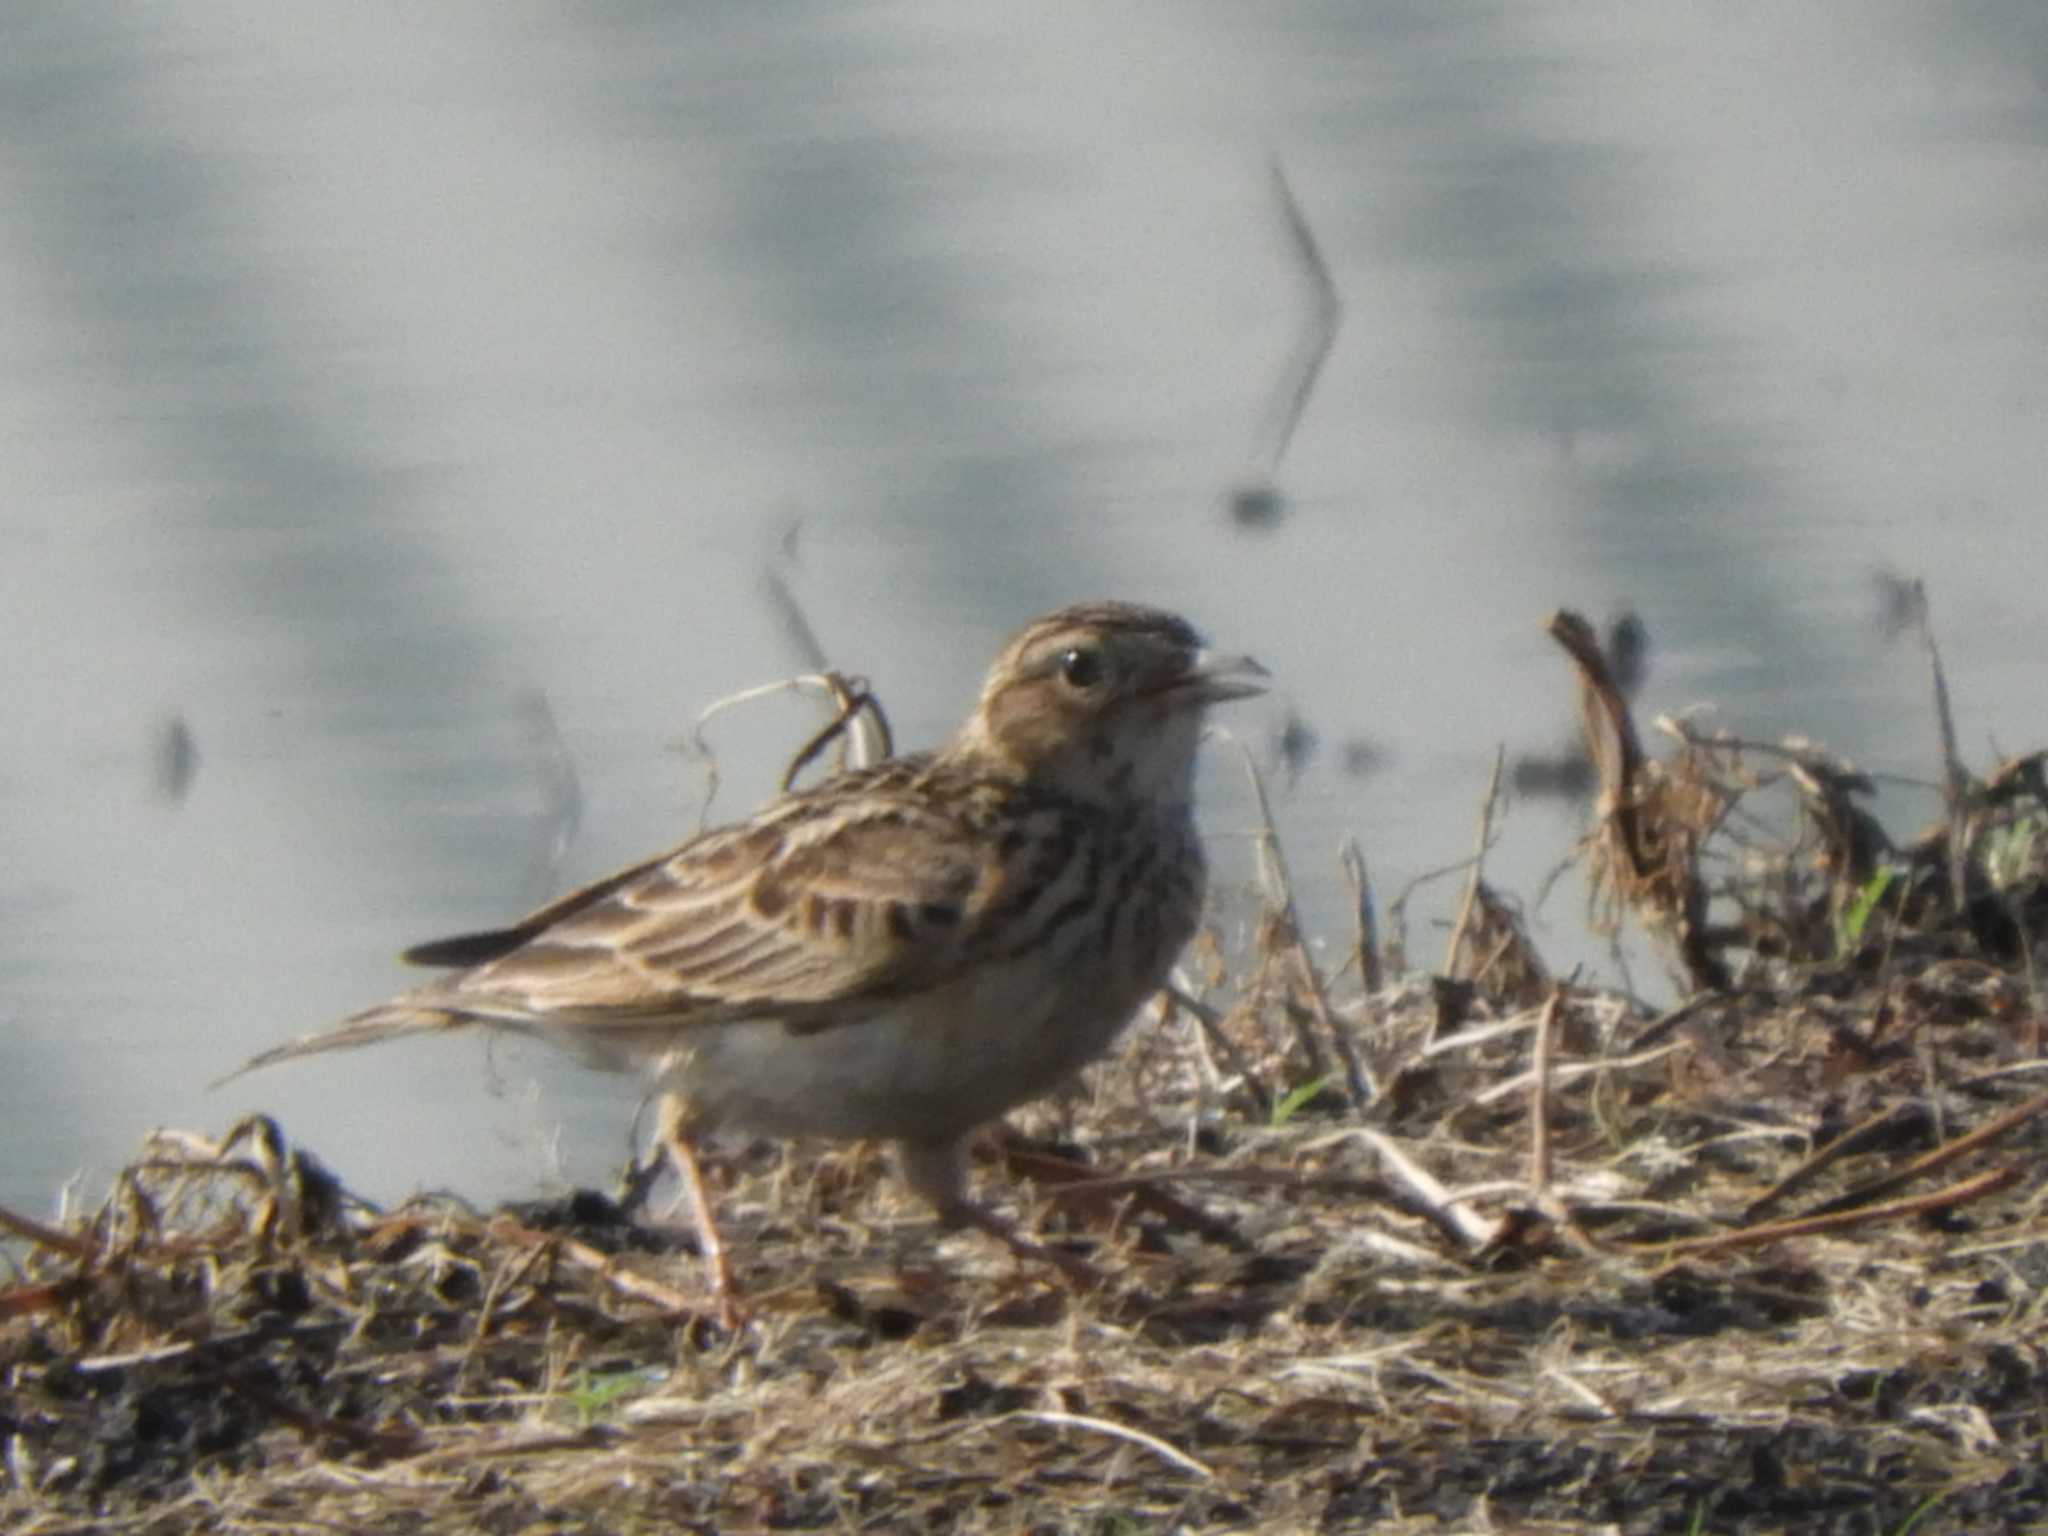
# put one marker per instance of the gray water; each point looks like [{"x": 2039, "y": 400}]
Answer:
[{"x": 405, "y": 409}]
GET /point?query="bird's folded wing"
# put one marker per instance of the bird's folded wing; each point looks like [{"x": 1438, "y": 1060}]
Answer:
[
  {"x": 817, "y": 913},
  {"x": 810, "y": 916}
]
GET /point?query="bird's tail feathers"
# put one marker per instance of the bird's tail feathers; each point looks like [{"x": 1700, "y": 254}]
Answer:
[{"x": 387, "y": 1021}]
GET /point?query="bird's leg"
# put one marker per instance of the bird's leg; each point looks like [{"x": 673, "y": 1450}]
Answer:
[
  {"x": 937, "y": 1172},
  {"x": 675, "y": 1137}
]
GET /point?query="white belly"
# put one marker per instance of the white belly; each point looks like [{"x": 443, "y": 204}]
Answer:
[{"x": 930, "y": 1068}]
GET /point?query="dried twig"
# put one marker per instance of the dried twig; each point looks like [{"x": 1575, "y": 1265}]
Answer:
[
  {"x": 47, "y": 1236},
  {"x": 1653, "y": 820},
  {"x": 1937, "y": 1159},
  {"x": 1955, "y": 777},
  {"x": 1539, "y": 1093},
  {"x": 1853, "y": 1140},
  {"x": 603, "y": 1265},
  {"x": 1476, "y": 1232},
  {"x": 1976, "y": 1188},
  {"x": 1359, "y": 1087},
  {"x": 1100, "y": 1426},
  {"x": 853, "y": 698},
  {"x": 1365, "y": 928},
  {"x": 856, "y": 712},
  {"x": 1571, "y": 1072},
  {"x": 1482, "y": 841},
  {"x": 1211, "y": 1025}
]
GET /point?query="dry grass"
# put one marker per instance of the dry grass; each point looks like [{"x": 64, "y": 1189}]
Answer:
[{"x": 1492, "y": 1253}]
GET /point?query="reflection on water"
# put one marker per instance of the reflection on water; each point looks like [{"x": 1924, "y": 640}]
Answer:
[{"x": 405, "y": 427}]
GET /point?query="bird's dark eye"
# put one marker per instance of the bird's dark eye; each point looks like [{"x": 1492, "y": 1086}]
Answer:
[{"x": 1082, "y": 667}]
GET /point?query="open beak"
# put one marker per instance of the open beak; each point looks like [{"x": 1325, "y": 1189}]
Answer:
[{"x": 1216, "y": 679}]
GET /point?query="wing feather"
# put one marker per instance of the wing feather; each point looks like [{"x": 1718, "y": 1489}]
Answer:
[
  {"x": 822, "y": 909},
  {"x": 824, "y": 903}
]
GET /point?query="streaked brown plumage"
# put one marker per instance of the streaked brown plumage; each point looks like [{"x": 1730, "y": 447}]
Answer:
[{"x": 906, "y": 951}]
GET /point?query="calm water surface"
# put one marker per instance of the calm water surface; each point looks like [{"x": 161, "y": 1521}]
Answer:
[{"x": 404, "y": 411}]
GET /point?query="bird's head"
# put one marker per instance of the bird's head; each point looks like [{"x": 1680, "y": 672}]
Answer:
[{"x": 1104, "y": 701}]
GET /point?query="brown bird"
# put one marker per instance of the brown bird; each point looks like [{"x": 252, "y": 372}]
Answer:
[{"x": 906, "y": 951}]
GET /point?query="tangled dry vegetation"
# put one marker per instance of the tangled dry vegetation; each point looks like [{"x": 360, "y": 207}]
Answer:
[{"x": 1475, "y": 1250}]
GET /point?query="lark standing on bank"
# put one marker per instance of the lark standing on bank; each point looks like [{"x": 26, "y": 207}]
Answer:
[{"x": 906, "y": 951}]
